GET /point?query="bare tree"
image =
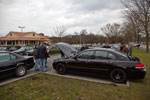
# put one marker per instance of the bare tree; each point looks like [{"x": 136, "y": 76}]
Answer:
[
  {"x": 60, "y": 31},
  {"x": 112, "y": 32},
  {"x": 140, "y": 10}
]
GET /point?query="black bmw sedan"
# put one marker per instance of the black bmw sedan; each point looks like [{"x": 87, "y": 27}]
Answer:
[
  {"x": 107, "y": 62},
  {"x": 14, "y": 63}
]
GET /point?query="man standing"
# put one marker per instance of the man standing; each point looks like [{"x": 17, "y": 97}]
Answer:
[
  {"x": 42, "y": 52},
  {"x": 84, "y": 47},
  {"x": 36, "y": 57},
  {"x": 106, "y": 45}
]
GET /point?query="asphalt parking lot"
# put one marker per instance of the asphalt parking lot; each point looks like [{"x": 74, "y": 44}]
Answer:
[{"x": 74, "y": 75}]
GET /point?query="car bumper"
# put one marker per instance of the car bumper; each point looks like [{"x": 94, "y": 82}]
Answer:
[
  {"x": 137, "y": 73},
  {"x": 30, "y": 66}
]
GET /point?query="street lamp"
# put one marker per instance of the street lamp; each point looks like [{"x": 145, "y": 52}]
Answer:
[{"x": 21, "y": 27}]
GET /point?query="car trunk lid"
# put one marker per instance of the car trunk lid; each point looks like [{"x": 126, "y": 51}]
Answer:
[{"x": 67, "y": 49}]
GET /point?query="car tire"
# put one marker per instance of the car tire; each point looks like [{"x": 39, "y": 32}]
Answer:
[
  {"x": 61, "y": 69},
  {"x": 20, "y": 71},
  {"x": 118, "y": 75}
]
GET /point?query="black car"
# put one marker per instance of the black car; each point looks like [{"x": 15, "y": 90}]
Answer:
[
  {"x": 14, "y": 63},
  {"x": 107, "y": 62},
  {"x": 23, "y": 50}
]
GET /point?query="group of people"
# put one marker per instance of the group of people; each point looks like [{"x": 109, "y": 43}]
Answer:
[
  {"x": 40, "y": 55},
  {"x": 123, "y": 47}
]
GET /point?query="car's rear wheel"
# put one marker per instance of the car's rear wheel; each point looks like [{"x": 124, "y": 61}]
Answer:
[
  {"x": 118, "y": 75},
  {"x": 20, "y": 71},
  {"x": 61, "y": 69}
]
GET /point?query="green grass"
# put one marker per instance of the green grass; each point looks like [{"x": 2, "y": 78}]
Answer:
[{"x": 49, "y": 87}]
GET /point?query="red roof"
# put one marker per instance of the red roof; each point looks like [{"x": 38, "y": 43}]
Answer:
[
  {"x": 22, "y": 33},
  {"x": 21, "y": 36},
  {"x": 24, "y": 38}
]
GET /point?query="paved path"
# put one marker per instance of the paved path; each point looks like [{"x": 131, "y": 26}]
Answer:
[
  {"x": 51, "y": 71},
  {"x": 143, "y": 47}
]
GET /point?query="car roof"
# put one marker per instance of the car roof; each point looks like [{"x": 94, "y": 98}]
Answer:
[
  {"x": 108, "y": 49},
  {"x": 11, "y": 53},
  {"x": 96, "y": 48},
  {"x": 4, "y": 51}
]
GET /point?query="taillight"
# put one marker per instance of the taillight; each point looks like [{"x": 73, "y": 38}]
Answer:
[{"x": 139, "y": 66}]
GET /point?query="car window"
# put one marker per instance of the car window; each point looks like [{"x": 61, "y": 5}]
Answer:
[
  {"x": 111, "y": 56},
  {"x": 101, "y": 55},
  {"x": 13, "y": 57},
  {"x": 86, "y": 55},
  {"x": 4, "y": 57}
]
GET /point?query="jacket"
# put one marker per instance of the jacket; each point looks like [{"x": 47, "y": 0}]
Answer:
[
  {"x": 35, "y": 53},
  {"x": 42, "y": 52}
]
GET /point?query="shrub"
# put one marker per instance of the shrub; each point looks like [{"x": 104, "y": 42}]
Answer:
[{"x": 54, "y": 51}]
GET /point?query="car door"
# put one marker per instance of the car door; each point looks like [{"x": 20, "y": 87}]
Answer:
[
  {"x": 103, "y": 61},
  {"x": 82, "y": 61},
  {"x": 7, "y": 63}
]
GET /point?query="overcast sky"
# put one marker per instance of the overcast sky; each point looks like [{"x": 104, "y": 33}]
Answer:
[{"x": 42, "y": 16}]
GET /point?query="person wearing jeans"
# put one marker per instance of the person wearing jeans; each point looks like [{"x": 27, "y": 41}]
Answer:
[
  {"x": 42, "y": 53},
  {"x": 43, "y": 65},
  {"x": 36, "y": 58}
]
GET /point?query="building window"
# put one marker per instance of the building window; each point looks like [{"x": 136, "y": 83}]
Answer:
[
  {"x": 33, "y": 34},
  {"x": 10, "y": 34}
]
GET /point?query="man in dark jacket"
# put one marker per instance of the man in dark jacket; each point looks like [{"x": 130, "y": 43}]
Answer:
[
  {"x": 36, "y": 57},
  {"x": 42, "y": 53},
  {"x": 84, "y": 47},
  {"x": 106, "y": 45}
]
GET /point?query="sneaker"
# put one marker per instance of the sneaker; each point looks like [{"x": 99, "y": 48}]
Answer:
[{"x": 44, "y": 71}]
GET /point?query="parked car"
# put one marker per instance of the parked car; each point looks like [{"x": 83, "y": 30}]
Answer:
[
  {"x": 106, "y": 62},
  {"x": 14, "y": 63},
  {"x": 30, "y": 52},
  {"x": 12, "y": 49},
  {"x": 23, "y": 50},
  {"x": 137, "y": 45},
  {"x": 115, "y": 47},
  {"x": 3, "y": 49}
]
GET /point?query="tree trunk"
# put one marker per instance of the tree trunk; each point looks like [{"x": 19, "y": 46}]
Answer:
[{"x": 147, "y": 42}]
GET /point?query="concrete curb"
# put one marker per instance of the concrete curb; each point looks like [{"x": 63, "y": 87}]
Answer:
[
  {"x": 68, "y": 76},
  {"x": 89, "y": 79},
  {"x": 16, "y": 79}
]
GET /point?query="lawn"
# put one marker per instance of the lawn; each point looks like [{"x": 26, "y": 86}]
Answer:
[{"x": 50, "y": 87}]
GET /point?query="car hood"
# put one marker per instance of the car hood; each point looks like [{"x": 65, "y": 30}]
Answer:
[{"x": 67, "y": 49}]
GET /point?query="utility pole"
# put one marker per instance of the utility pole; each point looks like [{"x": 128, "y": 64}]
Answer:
[{"x": 21, "y": 27}]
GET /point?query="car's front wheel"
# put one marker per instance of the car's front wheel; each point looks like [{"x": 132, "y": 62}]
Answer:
[
  {"x": 118, "y": 75},
  {"x": 20, "y": 71},
  {"x": 61, "y": 69}
]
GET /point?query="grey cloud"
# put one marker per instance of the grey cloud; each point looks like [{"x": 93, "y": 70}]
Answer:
[
  {"x": 43, "y": 15},
  {"x": 94, "y": 5}
]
